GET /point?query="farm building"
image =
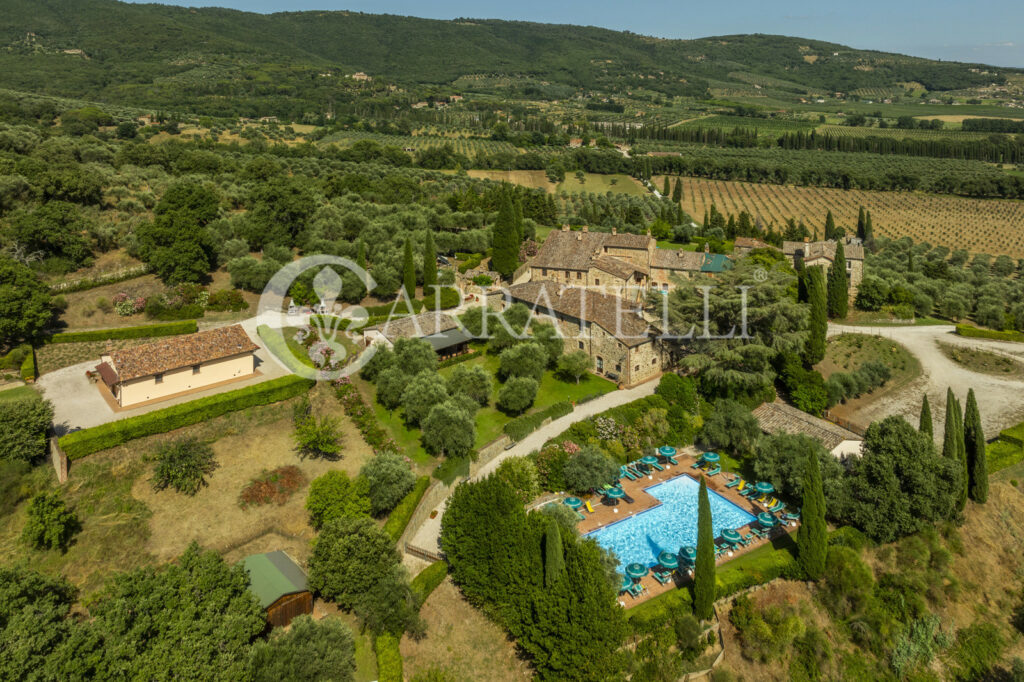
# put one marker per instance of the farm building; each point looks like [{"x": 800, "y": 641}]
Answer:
[
  {"x": 824, "y": 253},
  {"x": 177, "y": 364},
  {"x": 611, "y": 330},
  {"x": 778, "y": 417},
  {"x": 438, "y": 329},
  {"x": 744, "y": 245},
  {"x": 279, "y": 585}
]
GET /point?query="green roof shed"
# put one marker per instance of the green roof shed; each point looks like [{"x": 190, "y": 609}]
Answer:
[{"x": 280, "y": 586}]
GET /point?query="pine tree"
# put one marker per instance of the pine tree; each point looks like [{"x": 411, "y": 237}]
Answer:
[
  {"x": 409, "y": 271},
  {"x": 429, "y": 263},
  {"x": 704, "y": 568},
  {"x": 505, "y": 256},
  {"x": 554, "y": 559},
  {"x": 814, "y": 352},
  {"x": 677, "y": 191},
  {"x": 665, "y": 189},
  {"x": 812, "y": 538},
  {"x": 974, "y": 444},
  {"x": 838, "y": 287},
  {"x": 925, "y": 423},
  {"x": 830, "y": 225}
]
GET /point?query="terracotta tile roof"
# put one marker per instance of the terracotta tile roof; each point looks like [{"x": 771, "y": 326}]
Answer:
[
  {"x": 613, "y": 314},
  {"x": 424, "y": 324},
  {"x": 569, "y": 250},
  {"x": 107, "y": 373},
  {"x": 616, "y": 266},
  {"x": 778, "y": 417},
  {"x": 175, "y": 352},
  {"x": 750, "y": 243},
  {"x": 669, "y": 259},
  {"x": 826, "y": 250}
]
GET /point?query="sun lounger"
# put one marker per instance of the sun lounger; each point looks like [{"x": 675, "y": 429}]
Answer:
[
  {"x": 749, "y": 537},
  {"x": 579, "y": 516},
  {"x": 626, "y": 473},
  {"x": 672, "y": 459},
  {"x": 734, "y": 482},
  {"x": 663, "y": 578},
  {"x": 697, "y": 464},
  {"x": 747, "y": 492},
  {"x": 657, "y": 466},
  {"x": 793, "y": 516},
  {"x": 589, "y": 508},
  {"x": 777, "y": 508},
  {"x": 714, "y": 471}
]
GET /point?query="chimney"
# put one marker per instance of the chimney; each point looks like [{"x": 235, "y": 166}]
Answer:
[
  {"x": 707, "y": 247},
  {"x": 807, "y": 240},
  {"x": 565, "y": 227},
  {"x": 615, "y": 230},
  {"x": 579, "y": 236},
  {"x": 585, "y": 228}
]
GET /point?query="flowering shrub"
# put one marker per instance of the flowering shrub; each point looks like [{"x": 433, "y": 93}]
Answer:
[
  {"x": 570, "y": 448},
  {"x": 607, "y": 428},
  {"x": 125, "y": 305}
]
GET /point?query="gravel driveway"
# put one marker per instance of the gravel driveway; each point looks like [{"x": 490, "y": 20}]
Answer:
[{"x": 999, "y": 399}]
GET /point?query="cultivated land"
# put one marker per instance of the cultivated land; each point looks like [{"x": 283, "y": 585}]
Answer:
[{"x": 978, "y": 225}]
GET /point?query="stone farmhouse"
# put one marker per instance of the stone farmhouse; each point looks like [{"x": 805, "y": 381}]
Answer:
[
  {"x": 625, "y": 265},
  {"x": 610, "y": 329},
  {"x": 823, "y": 253},
  {"x": 176, "y": 365}
]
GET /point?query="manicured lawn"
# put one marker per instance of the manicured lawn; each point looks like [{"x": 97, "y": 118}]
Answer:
[{"x": 18, "y": 393}]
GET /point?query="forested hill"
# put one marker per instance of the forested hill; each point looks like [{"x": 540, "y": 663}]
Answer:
[{"x": 150, "y": 54}]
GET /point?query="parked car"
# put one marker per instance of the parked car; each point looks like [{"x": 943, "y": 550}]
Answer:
[{"x": 441, "y": 260}]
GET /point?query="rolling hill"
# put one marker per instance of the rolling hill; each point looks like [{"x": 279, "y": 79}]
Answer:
[{"x": 158, "y": 55}]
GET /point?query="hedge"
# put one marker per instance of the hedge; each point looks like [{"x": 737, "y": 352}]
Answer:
[
  {"x": 427, "y": 580},
  {"x": 978, "y": 332},
  {"x": 99, "y": 281},
  {"x": 471, "y": 262},
  {"x": 29, "y": 372},
  {"x": 456, "y": 359},
  {"x": 400, "y": 308},
  {"x": 402, "y": 513},
  {"x": 15, "y": 358},
  {"x": 78, "y": 444},
  {"x": 139, "y": 332},
  {"x": 520, "y": 427},
  {"x": 389, "y": 658}
]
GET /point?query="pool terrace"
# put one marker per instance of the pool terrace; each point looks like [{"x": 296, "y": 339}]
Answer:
[{"x": 605, "y": 513}]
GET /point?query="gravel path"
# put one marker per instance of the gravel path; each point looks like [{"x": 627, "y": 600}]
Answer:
[
  {"x": 429, "y": 533},
  {"x": 999, "y": 399}
]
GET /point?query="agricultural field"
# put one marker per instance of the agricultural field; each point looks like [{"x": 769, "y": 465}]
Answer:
[
  {"x": 536, "y": 179},
  {"x": 900, "y": 134},
  {"x": 599, "y": 184},
  {"x": 764, "y": 126},
  {"x": 977, "y": 225},
  {"x": 462, "y": 145}
]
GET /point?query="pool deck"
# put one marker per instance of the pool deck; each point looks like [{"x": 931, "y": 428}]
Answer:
[{"x": 605, "y": 514}]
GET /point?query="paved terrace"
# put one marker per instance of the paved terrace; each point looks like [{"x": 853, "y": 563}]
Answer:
[{"x": 605, "y": 513}]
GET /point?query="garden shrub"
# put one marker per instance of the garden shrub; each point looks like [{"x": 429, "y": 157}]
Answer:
[
  {"x": 15, "y": 358},
  {"x": 977, "y": 332},
  {"x": 24, "y": 428},
  {"x": 427, "y": 580},
  {"x": 517, "y": 395},
  {"x": 403, "y": 511},
  {"x": 589, "y": 468},
  {"x": 49, "y": 524},
  {"x": 450, "y": 297},
  {"x": 29, "y": 372},
  {"x": 227, "y": 299},
  {"x": 183, "y": 465},
  {"x": 678, "y": 391},
  {"x": 390, "y": 479},
  {"x": 521, "y": 427},
  {"x": 139, "y": 332},
  {"x": 334, "y": 495},
  {"x": 766, "y": 633},
  {"x": 78, "y": 444}
]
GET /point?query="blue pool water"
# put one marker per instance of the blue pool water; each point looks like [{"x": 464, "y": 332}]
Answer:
[{"x": 669, "y": 526}]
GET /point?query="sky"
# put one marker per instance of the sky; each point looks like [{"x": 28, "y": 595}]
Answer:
[{"x": 985, "y": 31}]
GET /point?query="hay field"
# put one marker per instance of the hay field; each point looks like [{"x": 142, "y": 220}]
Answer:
[
  {"x": 527, "y": 178},
  {"x": 993, "y": 226}
]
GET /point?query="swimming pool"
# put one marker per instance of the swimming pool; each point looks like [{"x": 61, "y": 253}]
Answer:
[{"x": 672, "y": 524}]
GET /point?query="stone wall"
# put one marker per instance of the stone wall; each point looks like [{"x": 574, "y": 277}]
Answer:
[{"x": 59, "y": 460}]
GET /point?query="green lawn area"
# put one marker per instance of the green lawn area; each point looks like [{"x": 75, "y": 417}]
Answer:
[
  {"x": 883, "y": 319},
  {"x": 542, "y": 232},
  {"x": 692, "y": 246},
  {"x": 18, "y": 393},
  {"x": 599, "y": 184}
]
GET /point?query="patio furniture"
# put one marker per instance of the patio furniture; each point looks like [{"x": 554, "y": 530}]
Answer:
[
  {"x": 663, "y": 578},
  {"x": 714, "y": 471},
  {"x": 792, "y": 516},
  {"x": 731, "y": 536},
  {"x": 736, "y": 480},
  {"x": 589, "y": 508},
  {"x": 748, "y": 491},
  {"x": 626, "y": 473},
  {"x": 776, "y": 508},
  {"x": 669, "y": 453},
  {"x": 652, "y": 461},
  {"x": 668, "y": 560}
]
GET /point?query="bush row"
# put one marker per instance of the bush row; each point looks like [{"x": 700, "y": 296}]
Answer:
[
  {"x": 363, "y": 416},
  {"x": 400, "y": 308},
  {"x": 99, "y": 280},
  {"x": 454, "y": 360},
  {"x": 78, "y": 444},
  {"x": 139, "y": 332},
  {"x": 520, "y": 427},
  {"x": 842, "y": 386},
  {"x": 427, "y": 580},
  {"x": 472, "y": 261},
  {"x": 15, "y": 358},
  {"x": 389, "y": 658},
  {"x": 399, "y": 517},
  {"x": 970, "y": 330},
  {"x": 29, "y": 372}
]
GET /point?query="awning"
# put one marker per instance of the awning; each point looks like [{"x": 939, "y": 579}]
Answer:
[
  {"x": 107, "y": 373},
  {"x": 447, "y": 339}
]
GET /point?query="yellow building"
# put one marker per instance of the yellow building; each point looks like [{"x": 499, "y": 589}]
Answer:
[{"x": 176, "y": 365}]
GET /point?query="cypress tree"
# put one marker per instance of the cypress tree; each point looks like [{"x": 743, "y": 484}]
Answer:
[
  {"x": 869, "y": 232},
  {"x": 974, "y": 443},
  {"x": 925, "y": 423},
  {"x": 860, "y": 224},
  {"x": 838, "y": 288},
  {"x": 812, "y": 537},
  {"x": 814, "y": 351},
  {"x": 517, "y": 206},
  {"x": 361, "y": 262},
  {"x": 949, "y": 434},
  {"x": 705, "y": 225},
  {"x": 830, "y": 225},
  {"x": 704, "y": 569},
  {"x": 961, "y": 452},
  {"x": 505, "y": 256},
  {"x": 429, "y": 263},
  {"x": 677, "y": 191},
  {"x": 554, "y": 559},
  {"x": 409, "y": 271},
  {"x": 665, "y": 189}
]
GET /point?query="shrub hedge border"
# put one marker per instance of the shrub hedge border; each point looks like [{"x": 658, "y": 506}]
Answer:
[
  {"x": 29, "y": 371},
  {"x": 140, "y": 332},
  {"x": 520, "y": 427},
  {"x": 403, "y": 511},
  {"x": 78, "y": 444},
  {"x": 978, "y": 332},
  {"x": 427, "y": 580},
  {"x": 389, "y": 658}
]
